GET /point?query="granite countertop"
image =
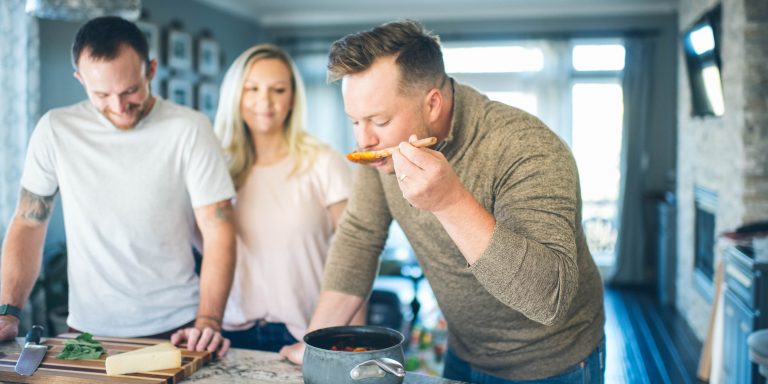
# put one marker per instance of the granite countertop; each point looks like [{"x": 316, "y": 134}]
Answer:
[{"x": 241, "y": 366}]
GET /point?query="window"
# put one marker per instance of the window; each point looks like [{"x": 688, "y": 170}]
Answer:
[
  {"x": 574, "y": 86},
  {"x": 497, "y": 59},
  {"x": 597, "y": 111},
  {"x": 598, "y": 57},
  {"x": 523, "y": 74}
]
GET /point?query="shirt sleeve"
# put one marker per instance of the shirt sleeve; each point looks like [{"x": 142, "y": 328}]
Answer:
[
  {"x": 335, "y": 177},
  {"x": 39, "y": 176},
  {"x": 207, "y": 176},
  {"x": 353, "y": 259},
  {"x": 530, "y": 263}
]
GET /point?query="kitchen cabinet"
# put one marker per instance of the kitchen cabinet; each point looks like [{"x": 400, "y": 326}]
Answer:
[{"x": 745, "y": 311}]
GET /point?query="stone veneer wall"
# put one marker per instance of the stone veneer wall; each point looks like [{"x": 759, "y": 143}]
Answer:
[{"x": 729, "y": 154}]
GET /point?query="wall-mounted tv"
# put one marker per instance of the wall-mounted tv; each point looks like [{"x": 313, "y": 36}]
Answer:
[{"x": 701, "y": 47}]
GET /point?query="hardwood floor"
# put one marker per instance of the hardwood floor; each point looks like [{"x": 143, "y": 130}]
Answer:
[{"x": 645, "y": 342}]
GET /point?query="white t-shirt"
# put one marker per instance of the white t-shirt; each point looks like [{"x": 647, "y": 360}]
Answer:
[
  {"x": 128, "y": 198},
  {"x": 284, "y": 231}
]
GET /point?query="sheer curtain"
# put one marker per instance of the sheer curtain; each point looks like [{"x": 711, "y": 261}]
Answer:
[
  {"x": 630, "y": 244},
  {"x": 19, "y": 98},
  {"x": 19, "y": 103}
]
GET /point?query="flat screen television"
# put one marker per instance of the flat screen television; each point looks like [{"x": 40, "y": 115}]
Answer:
[{"x": 701, "y": 48}]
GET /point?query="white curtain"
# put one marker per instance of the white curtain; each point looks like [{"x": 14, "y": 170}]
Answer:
[
  {"x": 19, "y": 98},
  {"x": 19, "y": 104},
  {"x": 630, "y": 244}
]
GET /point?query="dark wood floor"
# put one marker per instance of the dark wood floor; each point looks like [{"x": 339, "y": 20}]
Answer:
[{"x": 645, "y": 342}]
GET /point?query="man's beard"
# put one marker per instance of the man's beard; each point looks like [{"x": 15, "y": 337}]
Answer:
[
  {"x": 135, "y": 111},
  {"x": 138, "y": 111},
  {"x": 141, "y": 111}
]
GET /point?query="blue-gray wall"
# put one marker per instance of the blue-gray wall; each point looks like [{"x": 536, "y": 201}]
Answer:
[{"x": 60, "y": 88}]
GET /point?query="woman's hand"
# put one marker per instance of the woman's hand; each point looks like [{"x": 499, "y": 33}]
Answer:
[{"x": 294, "y": 353}]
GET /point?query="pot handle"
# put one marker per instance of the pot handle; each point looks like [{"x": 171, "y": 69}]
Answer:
[{"x": 377, "y": 368}]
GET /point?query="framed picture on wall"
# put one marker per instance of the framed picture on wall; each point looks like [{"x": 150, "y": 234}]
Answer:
[
  {"x": 179, "y": 50},
  {"x": 208, "y": 99},
  {"x": 180, "y": 92},
  {"x": 208, "y": 57}
]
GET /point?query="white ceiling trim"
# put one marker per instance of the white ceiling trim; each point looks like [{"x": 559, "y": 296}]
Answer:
[{"x": 314, "y": 13}]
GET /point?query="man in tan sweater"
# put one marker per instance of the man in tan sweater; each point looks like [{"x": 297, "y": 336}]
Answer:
[{"x": 493, "y": 213}]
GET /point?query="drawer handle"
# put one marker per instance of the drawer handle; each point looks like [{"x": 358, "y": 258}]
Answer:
[{"x": 738, "y": 276}]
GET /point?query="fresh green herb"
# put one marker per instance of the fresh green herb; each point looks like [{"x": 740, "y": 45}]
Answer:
[{"x": 81, "y": 348}]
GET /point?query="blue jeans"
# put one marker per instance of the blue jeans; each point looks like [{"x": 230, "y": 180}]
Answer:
[
  {"x": 262, "y": 336},
  {"x": 590, "y": 370}
]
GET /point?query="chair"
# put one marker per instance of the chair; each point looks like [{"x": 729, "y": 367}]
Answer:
[{"x": 384, "y": 310}]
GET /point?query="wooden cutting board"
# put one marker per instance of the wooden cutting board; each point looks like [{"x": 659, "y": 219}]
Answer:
[{"x": 53, "y": 370}]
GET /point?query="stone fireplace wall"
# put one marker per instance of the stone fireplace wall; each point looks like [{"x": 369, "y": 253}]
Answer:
[{"x": 728, "y": 154}]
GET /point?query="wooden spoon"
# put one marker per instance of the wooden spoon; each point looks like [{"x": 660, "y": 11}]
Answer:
[{"x": 369, "y": 156}]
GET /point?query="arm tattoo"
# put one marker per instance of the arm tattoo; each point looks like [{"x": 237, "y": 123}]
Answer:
[
  {"x": 35, "y": 208},
  {"x": 211, "y": 216},
  {"x": 224, "y": 212}
]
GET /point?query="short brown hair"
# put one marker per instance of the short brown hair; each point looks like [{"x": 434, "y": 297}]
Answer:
[
  {"x": 105, "y": 36},
  {"x": 419, "y": 57}
]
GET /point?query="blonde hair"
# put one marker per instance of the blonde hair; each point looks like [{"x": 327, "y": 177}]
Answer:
[{"x": 233, "y": 133}]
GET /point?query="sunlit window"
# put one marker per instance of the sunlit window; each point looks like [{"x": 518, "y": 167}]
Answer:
[
  {"x": 597, "y": 118},
  {"x": 598, "y": 110},
  {"x": 525, "y": 101},
  {"x": 702, "y": 40},
  {"x": 598, "y": 57},
  {"x": 498, "y": 59},
  {"x": 580, "y": 99}
]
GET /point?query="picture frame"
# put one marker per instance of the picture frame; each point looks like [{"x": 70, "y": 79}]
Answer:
[
  {"x": 179, "y": 50},
  {"x": 208, "y": 99},
  {"x": 180, "y": 92},
  {"x": 208, "y": 57}
]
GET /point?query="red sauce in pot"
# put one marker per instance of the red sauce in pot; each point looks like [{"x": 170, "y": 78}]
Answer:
[{"x": 345, "y": 348}]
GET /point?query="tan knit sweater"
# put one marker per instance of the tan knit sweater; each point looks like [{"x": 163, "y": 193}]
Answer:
[{"x": 532, "y": 305}]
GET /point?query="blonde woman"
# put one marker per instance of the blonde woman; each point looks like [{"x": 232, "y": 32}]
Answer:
[{"x": 291, "y": 192}]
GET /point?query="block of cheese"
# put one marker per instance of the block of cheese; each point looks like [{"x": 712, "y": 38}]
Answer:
[{"x": 156, "y": 357}]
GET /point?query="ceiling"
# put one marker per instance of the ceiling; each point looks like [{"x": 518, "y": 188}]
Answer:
[{"x": 307, "y": 13}]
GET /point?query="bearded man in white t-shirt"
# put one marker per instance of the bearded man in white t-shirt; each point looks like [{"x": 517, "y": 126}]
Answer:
[{"x": 138, "y": 175}]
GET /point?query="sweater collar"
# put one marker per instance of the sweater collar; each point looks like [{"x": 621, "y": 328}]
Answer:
[{"x": 464, "y": 120}]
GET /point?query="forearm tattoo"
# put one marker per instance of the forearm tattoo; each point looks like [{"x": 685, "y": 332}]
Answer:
[{"x": 34, "y": 207}]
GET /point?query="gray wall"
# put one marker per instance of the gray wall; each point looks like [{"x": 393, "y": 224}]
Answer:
[{"x": 60, "y": 88}]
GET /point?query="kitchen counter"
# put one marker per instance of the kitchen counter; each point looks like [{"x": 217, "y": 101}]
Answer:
[{"x": 241, "y": 366}]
